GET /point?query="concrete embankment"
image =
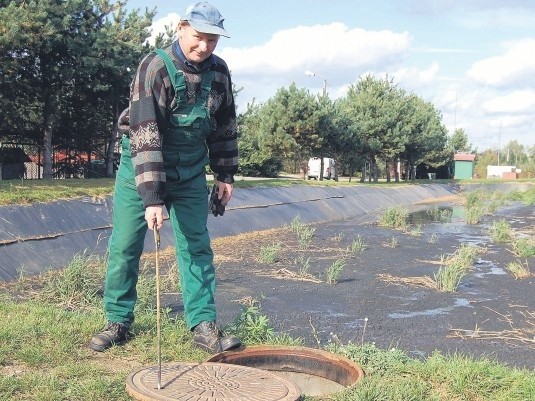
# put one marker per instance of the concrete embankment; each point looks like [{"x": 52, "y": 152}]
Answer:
[{"x": 47, "y": 235}]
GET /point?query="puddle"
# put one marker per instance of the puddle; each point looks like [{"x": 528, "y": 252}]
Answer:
[
  {"x": 449, "y": 220},
  {"x": 459, "y": 302},
  {"x": 486, "y": 267},
  {"x": 438, "y": 214}
]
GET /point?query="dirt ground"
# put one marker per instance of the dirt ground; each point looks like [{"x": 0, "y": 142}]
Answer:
[{"x": 490, "y": 315}]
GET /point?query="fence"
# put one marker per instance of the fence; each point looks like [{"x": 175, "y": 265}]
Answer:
[{"x": 25, "y": 161}]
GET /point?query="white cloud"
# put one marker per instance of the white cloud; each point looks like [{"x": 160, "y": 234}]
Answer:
[
  {"x": 414, "y": 77},
  {"x": 514, "y": 67},
  {"x": 502, "y": 17},
  {"x": 333, "y": 47},
  {"x": 517, "y": 102},
  {"x": 158, "y": 26}
]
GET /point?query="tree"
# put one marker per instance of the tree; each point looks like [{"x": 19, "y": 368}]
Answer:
[
  {"x": 260, "y": 147},
  {"x": 70, "y": 58},
  {"x": 375, "y": 108},
  {"x": 459, "y": 141},
  {"x": 294, "y": 113},
  {"x": 427, "y": 136}
]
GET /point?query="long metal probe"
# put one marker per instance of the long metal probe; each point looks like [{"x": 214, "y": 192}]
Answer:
[{"x": 158, "y": 325}]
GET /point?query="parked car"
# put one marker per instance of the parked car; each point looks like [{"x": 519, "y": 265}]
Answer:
[{"x": 329, "y": 168}]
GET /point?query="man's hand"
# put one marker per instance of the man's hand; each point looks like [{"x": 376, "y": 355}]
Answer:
[
  {"x": 219, "y": 197},
  {"x": 224, "y": 192},
  {"x": 152, "y": 214}
]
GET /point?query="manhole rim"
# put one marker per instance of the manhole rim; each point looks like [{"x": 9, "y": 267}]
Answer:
[{"x": 355, "y": 373}]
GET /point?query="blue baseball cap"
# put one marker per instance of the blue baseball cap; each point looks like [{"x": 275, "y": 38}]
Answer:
[{"x": 205, "y": 18}]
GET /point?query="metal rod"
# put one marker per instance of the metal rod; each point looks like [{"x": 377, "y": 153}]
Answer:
[{"x": 158, "y": 307}]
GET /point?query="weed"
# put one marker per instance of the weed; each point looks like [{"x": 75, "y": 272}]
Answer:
[
  {"x": 304, "y": 265},
  {"x": 253, "y": 327},
  {"x": 473, "y": 214},
  {"x": 334, "y": 270},
  {"x": 433, "y": 238},
  {"x": 375, "y": 360},
  {"x": 437, "y": 214},
  {"x": 454, "y": 268},
  {"x": 364, "y": 330},
  {"x": 519, "y": 270},
  {"x": 358, "y": 244},
  {"x": 304, "y": 233},
  {"x": 395, "y": 217},
  {"x": 338, "y": 237},
  {"x": 296, "y": 225},
  {"x": 77, "y": 284},
  {"x": 528, "y": 197},
  {"x": 501, "y": 231},
  {"x": 314, "y": 332},
  {"x": 523, "y": 247},
  {"x": 269, "y": 253},
  {"x": 417, "y": 231},
  {"x": 393, "y": 242},
  {"x": 305, "y": 237}
]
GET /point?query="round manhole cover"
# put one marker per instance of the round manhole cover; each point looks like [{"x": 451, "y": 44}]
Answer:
[{"x": 210, "y": 381}]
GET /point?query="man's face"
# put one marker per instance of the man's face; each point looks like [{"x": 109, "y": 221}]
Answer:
[{"x": 197, "y": 46}]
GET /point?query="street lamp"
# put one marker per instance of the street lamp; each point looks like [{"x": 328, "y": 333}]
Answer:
[{"x": 313, "y": 74}]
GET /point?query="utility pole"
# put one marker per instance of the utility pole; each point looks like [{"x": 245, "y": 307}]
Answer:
[{"x": 499, "y": 142}]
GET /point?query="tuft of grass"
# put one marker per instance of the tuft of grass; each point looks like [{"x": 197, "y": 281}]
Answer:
[
  {"x": 304, "y": 233},
  {"x": 394, "y": 242},
  {"x": 358, "y": 244},
  {"x": 416, "y": 231},
  {"x": 501, "y": 231},
  {"x": 334, "y": 270},
  {"x": 253, "y": 327},
  {"x": 270, "y": 253},
  {"x": 454, "y": 268},
  {"x": 523, "y": 247},
  {"x": 304, "y": 265},
  {"x": 394, "y": 217},
  {"x": 519, "y": 270},
  {"x": 77, "y": 284},
  {"x": 338, "y": 237}
]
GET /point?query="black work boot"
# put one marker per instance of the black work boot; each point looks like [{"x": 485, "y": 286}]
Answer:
[
  {"x": 113, "y": 334},
  {"x": 208, "y": 337}
]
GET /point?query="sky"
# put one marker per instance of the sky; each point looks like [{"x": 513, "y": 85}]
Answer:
[{"x": 473, "y": 59}]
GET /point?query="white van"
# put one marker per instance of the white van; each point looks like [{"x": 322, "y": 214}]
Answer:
[{"x": 329, "y": 168}]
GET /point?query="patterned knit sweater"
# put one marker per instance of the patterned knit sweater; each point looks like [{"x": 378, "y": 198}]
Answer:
[{"x": 151, "y": 101}]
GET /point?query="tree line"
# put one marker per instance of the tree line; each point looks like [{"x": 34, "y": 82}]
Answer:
[{"x": 66, "y": 66}]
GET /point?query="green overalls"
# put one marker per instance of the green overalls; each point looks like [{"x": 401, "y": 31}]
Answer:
[{"x": 185, "y": 155}]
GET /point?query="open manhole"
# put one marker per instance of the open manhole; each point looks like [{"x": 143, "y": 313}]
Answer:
[
  {"x": 316, "y": 372},
  {"x": 210, "y": 381}
]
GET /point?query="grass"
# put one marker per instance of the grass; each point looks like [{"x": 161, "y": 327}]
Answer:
[
  {"x": 519, "y": 270},
  {"x": 523, "y": 247},
  {"x": 304, "y": 233},
  {"x": 394, "y": 217},
  {"x": 454, "y": 268},
  {"x": 46, "y": 322},
  {"x": 395, "y": 377},
  {"x": 501, "y": 231},
  {"x": 334, "y": 270},
  {"x": 358, "y": 244},
  {"x": 30, "y": 191},
  {"x": 270, "y": 253}
]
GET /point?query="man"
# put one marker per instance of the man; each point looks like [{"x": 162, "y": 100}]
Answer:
[{"x": 181, "y": 117}]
